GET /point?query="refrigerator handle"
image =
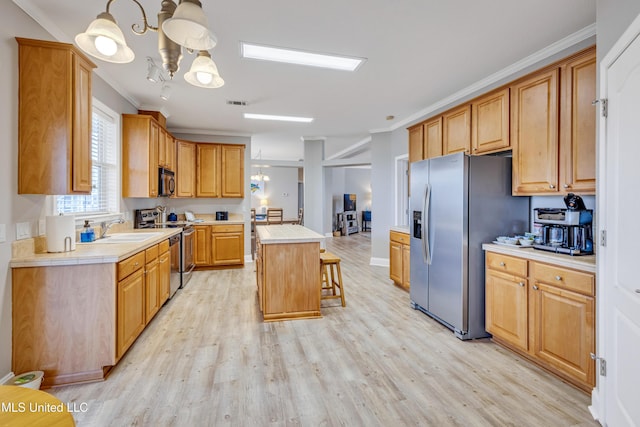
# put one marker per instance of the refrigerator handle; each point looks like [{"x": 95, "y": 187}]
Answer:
[{"x": 426, "y": 250}]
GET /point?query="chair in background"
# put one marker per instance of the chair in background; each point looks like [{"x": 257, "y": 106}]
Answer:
[
  {"x": 366, "y": 220},
  {"x": 274, "y": 216},
  {"x": 300, "y": 216},
  {"x": 253, "y": 233}
]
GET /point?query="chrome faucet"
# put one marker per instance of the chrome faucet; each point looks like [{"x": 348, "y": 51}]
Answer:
[{"x": 105, "y": 226}]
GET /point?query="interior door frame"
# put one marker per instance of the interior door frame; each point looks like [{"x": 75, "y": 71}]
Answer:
[{"x": 598, "y": 395}]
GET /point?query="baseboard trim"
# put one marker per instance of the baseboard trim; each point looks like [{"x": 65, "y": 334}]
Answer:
[
  {"x": 379, "y": 262},
  {"x": 248, "y": 259},
  {"x": 6, "y": 378}
]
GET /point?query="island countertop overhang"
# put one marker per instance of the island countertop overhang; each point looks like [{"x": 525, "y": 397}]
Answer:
[{"x": 287, "y": 233}]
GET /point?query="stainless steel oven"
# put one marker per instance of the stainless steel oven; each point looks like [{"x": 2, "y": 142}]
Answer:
[
  {"x": 174, "y": 250},
  {"x": 187, "y": 263}
]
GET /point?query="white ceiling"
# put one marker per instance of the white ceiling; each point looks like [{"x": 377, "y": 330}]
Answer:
[{"x": 418, "y": 52}]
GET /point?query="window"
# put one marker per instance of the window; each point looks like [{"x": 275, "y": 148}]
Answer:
[{"x": 104, "y": 198}]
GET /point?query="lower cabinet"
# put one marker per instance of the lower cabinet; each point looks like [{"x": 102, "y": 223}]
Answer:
[
  {"x": 164, "y": 261},
  {"x": 544, "y": 312},
  {"x": 130, "y": 310},
  {"x": 399, "y": 258},
  {"x": 219, "y": 245}
]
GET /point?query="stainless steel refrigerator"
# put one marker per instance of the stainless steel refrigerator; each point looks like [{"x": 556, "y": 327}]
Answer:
[{"x": 457, "y": 203}]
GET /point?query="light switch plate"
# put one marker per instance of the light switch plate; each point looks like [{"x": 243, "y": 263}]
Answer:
[
  {"x": 23, "y": 230},
  {"x": 3, "y": 233}
]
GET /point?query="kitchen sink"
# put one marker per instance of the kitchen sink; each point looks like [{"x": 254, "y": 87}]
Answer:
[{"x": 125, "y": 238}]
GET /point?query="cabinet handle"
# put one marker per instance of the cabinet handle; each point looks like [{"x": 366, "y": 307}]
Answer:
[
  {"x": 136, "y": 264},
  {"x": 552, "y": 186},
  {"x": 502, "y": 264},
  {"x": 558, "y": 278},
  {"x": 566, "y": 186},
  {"x": 521, "y": 284},
  {"x": 535, "y": 288}
]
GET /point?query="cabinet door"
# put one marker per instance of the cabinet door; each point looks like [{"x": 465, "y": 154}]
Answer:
[
  {"x": 152, "y": 290},
  {"x": 433, "y": 138},
  {"x": 406, "y": 271},
  {"x": 578, "y": 123},
  {"x": 395, "y": 262},
  {"x": 154, "y": 144},
  {"x": 202, "y": 245},
  {"x": 208, "y": 170},
  {"x": 171, "y": 151},
  {"x": 534, "y": 134},
  {"x": 164, "y": 271},
  {"x": 506, "y": 308},
  {"x": 490, "y": 123},
  {"x": 130, "y": 311},
  {"x": 456, "y": 134},
  {"x": 186, "y": 178},
  {"x": 227, "y": 248},
  {"x": 564, "y": 329},
  {"x": 416, "y": 142},
  {"x": 82, "y": 118},
  {"x": 232, "y": 177}
]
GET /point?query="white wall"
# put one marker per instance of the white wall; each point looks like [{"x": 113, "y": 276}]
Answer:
[
  {"x": 347, "y": 180},
  {"x": 281, "y": 191}
]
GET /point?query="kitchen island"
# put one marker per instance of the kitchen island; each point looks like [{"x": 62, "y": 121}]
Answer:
[{"x": 288, "y": 272}]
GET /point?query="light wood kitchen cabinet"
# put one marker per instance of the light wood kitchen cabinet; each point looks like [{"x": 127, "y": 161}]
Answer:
[
  {"x": 416, "y": 142},
  {"x": 130, "y": 309},
  {"x": 166, "y": 150},
  {"x": 227, "y": 244},
  {"x": 544, "y": 312},
  {"x": 54, "y": 118},
  {"x": 555, "y": 154},
  {"x": 220, "y": 170},
  {"x": 202, "y": 245},
  {"x": 456, "y": 130},
  {"x": 490, "y": 123},
  {"x": 208, "y": 173},
  {"x": 164, "y": 267},
  {"x": 151, "y": 283},
  {"x": 578, "y": 125},
  {"x": 506, "y": 299},
  {"x": 186, "y": 173},
  {"x": 399, "y": 258},
  {"x": 432, "y": 146},
  {"x": 140, "y": 144}
]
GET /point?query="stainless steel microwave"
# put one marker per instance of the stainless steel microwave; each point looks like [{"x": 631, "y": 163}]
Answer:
[{"x": 166, "y": 182}]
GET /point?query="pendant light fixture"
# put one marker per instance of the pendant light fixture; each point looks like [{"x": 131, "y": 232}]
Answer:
[
  {"x": 184, "y": 25},
  {"x": 260, "y": 176}
]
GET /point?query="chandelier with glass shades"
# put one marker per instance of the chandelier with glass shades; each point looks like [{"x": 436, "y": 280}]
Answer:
[
  {"x": 184, "y": 25},
  {"x": 259, "y": 176}
]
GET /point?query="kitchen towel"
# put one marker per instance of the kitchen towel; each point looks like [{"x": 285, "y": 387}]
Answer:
[{"x": 59, "y": 227}]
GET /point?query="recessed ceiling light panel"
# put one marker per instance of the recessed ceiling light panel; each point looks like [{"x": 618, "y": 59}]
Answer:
[
  {"x": 279, "y": 118},
  {"x": 299, "y": 57}
]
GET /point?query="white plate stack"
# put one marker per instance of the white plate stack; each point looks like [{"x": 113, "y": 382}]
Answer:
[{"x": 61, "y": 233}]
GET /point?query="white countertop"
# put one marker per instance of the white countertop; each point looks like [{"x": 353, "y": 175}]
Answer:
[
  {"x": 287, "y": 233},
  {"x": 400, "y": 228},
  {"x": 94, "y": 253},
  {"x": 585, "y": 263}
]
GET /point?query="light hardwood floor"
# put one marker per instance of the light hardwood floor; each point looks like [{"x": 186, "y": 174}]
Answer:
[{"x": 207, "y": 359}]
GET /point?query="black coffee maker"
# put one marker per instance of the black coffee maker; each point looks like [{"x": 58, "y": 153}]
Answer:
[{"x": 568, "y": 231}]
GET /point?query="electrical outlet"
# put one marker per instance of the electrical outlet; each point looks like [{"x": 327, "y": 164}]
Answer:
[
  {"x": 42, "y": 227},
  {"x": 3, "y": 233},
  {"x": 285, "y": 194},
  {"x": 23, "y": 230}
]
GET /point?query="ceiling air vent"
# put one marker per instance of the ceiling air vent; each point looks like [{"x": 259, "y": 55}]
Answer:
[{"x": 240, "y": 103}]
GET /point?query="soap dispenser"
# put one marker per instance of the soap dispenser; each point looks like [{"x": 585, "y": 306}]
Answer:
[{"x": 87, "y": 234}]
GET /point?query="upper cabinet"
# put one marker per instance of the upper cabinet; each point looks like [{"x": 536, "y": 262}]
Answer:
[
  {"x": 490, "y": 123},
  {"x": 220, "y": 170},
  {"x": 54, "y": 109},
  {"x": 415, "y": 143},
  {"x": 553, "y": 126},
  {"x": 232, "y": 175},
  {"x": 432, "y": 146},
  {"x": 186, "y": 177},
  {"x": 140, "y": 160},
  {"x": 456, "y": 134},
  {"x": 208, "y": 170}
]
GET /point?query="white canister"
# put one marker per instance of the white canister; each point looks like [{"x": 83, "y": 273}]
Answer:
[{"x": 61, "y": 233}]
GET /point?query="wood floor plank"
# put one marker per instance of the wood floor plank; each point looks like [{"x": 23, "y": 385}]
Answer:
[{"x": 207, "y": 359}]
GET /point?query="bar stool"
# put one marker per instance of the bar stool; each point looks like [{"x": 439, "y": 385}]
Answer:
[{"x": 331, "y": 277}]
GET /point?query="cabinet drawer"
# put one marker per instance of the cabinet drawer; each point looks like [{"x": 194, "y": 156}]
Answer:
[
  {"x": 508, "y": 264},
  {"x": 151, "y": 253},
  {"x": 130, "y": 265},
  {"x": 163, "y": 246},
  {"x": 570, "y": 279},
  {"x": 395, "y": 236},
  {"x": 230, "y": 228}
]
